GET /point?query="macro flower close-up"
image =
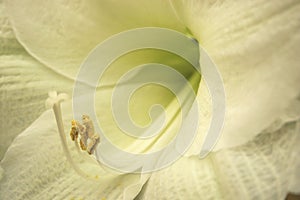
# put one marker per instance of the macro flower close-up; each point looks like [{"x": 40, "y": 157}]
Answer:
[{"x": 205, "y": 104}]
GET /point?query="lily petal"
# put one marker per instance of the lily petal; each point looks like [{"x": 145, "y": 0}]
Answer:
[
  {"x": 36, "y": 168},
  {"x": 24, "y": 84},
  {"x": 259, "y": 169},
  {"x": 241, "y": 45},
  {"x": 256, "y": 46},
  {"x": 294, "y": 182},
  {"x": 78, "y": 26}
]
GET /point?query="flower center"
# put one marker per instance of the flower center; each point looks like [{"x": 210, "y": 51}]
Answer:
[
  {"x": 140, "y": 85},
  {"x": 147, "y": 101}
]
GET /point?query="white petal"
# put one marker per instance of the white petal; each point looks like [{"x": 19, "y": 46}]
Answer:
[
  {"x": 96, "y": 24},
  {"x": 142, "y": 99},
  {"x": 35, "y": 167},
  {"x": 294, "y": 183},
  {"x": 260, "y": 169},
  {"x": 60, "y": 33},
  {"x": 1, "y": 173},
  {"x": 24, "y": 84},
  {"x": 256, "y": 46},
  {"x": 138, "y": 106},
  {"x": 188, "y": 178}
]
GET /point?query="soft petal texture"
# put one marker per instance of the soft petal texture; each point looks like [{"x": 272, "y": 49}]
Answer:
[
  {"x": 95, "y": 26},
  {"x": 144, "y": 100},
  {"x": 260, "y": 169},
  {"x": 24, "y": 84},
  {"x": 139, "y": 106},
  {"x": 78, "y": 26},
  {"x": 294, "y": 185},
  {"x": 35, "y": 167},
  {"x": 1, "y": 172},
  {"x": 256, "y": 46},
  {"x": 291, "y": 114}
]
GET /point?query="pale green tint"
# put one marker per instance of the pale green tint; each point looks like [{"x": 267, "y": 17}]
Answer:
[{"x": 143, "y": 98}]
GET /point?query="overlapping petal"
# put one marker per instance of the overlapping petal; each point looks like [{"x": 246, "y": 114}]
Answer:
[
  {"x": 24, "y": 84},
  {"x": 58, "y": 80},
  {"x": 36, "y": 168},
  {"x": 61, "y": 33},
  {"x": 259, "y": 169},
  {"x": 255, "y": 45}
]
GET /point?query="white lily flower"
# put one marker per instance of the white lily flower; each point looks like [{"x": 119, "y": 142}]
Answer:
[{"x": 255, "y": 45}]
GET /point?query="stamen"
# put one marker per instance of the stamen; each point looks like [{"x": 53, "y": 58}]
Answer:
[
  {"x": 87, "y": 132},
  {"x": 53, "y": 102}
]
